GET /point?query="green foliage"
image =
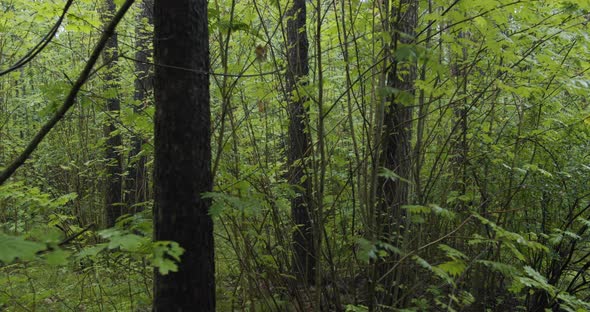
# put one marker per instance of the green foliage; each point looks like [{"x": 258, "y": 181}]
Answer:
[
  {"x": 369, "y": 251},
  {"x": 165, "y": 256},
  {"x": 356, "y": 308},
  {"x": 12, "y": 248},
  {"x": 123, "y": 240},
  {"x": 497, "y": 208},
  {"x": 250, "y": 205}
]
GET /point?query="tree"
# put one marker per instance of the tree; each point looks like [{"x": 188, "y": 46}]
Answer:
[
  {"x": 183, "y": 154},
  {"x": 137, "y": 182},
  {"x": 396, "y": 136},
  {"x": 299, "y": 142},
  {"x": 496, "y": 216},
  {"x": 459, "y": 144},
  {"x": 114, "y": 164}
]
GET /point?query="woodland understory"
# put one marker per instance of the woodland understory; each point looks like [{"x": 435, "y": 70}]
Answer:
[{"x": 349, "y": 155}]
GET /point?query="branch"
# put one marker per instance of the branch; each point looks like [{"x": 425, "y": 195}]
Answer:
[
  {"x": 71, "y": 238},
  {"x": 240, "y": 75},
  {"x": 415, "y": 251},
  {"x": 29, "y": 56},
  {"x": 70, "y": 99},
  {"x": 68, "y": 239}
]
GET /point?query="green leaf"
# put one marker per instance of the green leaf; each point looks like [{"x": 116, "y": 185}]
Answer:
[
  {"x": 388, "y": 247},
  {"x": 515, "y": 251},
  {"x": 233, "y": 26},
  {"x": 453, "y": 268},
  {"x": 389, "y": 174},
  {"x": 57, "y": 257},
  {"x": 91, "y": 251},
  {"x": 423, "y": 263},
  {"x": 417, "y": 209},
  {"x": 367, "y": 250},
  {"x": 387, "y": 91},
  {"x": 439, "y": 211},
  {"x": 222, "y": 201},
  {"x": 212, "y": 13},
  {"x": 12, "y": 247},
  {"x": 452, "y": 252},
  {"x": 356, "y": 308},
  {"x": 506, "y": 269},
  {"x": 404, "y": 98},
  {"x": 216, "y": 208},
  {"x": 166, "y": 255},
  {"x": 406, "y": 52},
  {"x": 130, "y": 242},
  {"x": 536, "y": 276},
  {"x": 123, "y": 239}
]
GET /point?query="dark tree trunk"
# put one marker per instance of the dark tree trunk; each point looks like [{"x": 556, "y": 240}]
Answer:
[
  {"x": 459, "y": 143},
  {"x": 114, "y": 164},
  {"x": 183, "y": 154},
  {"x": 137, "y": 181},
  {"x": 396, "y": 143},
  {"x": 299, "y": 142}
]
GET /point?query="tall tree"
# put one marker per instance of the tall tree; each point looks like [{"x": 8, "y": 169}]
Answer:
[
  {"x": 114, "y": 164},
  {"x": 299, "y": 142},
  {"x": 183, "y": 153},
  {"x": 396, "y": 136},
  {"x": 459, "y": 142},
  {"x": 137, "y": 181}
]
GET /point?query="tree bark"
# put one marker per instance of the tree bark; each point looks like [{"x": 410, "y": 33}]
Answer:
[
  {"x": 183, "y": 154},
  {"x": 114, "y": 164},
  {"x": 299, "y": 143},
  {"x": 396, "y": 142},
  {"x": 459, "y": 143}
]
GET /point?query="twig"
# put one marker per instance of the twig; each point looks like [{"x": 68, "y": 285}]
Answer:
[
  {"x": 71, "y": 238},
  {"x": 29, "y": 56},
  {"x": 415, "y": 251},
  {"x": 70, "y": 100},
  {"x": 68, "y": 239}
]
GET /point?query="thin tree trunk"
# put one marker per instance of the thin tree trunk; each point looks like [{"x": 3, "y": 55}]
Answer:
[
  {"x": 299, "y": 142},
  {"x": 114, "y": 164},
  {"x": 396, "y": 143},
  {"x": 460, "y": 147},
  {"x": 137, "y": 181},
  {"x": 183, "y": 154}
]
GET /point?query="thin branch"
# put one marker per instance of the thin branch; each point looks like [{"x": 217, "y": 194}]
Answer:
[
  {"x": 29, "y": 56},
  {"x": 434, "y": 242},
  {"x": 73, "y": 237},
  {"x": 70, "y": 99},
  {"x": 68, "y": 239},
  {"x": 240, "y": 75}
]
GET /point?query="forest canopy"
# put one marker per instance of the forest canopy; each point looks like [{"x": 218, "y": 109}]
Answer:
[{"x": 293, "y": 155}]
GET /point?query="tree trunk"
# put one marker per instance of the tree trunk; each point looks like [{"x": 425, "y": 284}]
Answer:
[
  {"x": 114, "y": 164},
  {"x": 183, "y": 154},
  {"x": 137, "y": 181},
  {"x": 299, "y": 143},
  {"x": 459, "y": 143},
  {"x": 396, "y": 143}
]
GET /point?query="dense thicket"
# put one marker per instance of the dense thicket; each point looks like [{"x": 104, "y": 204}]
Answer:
[{"x": 366, "y": 155}]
